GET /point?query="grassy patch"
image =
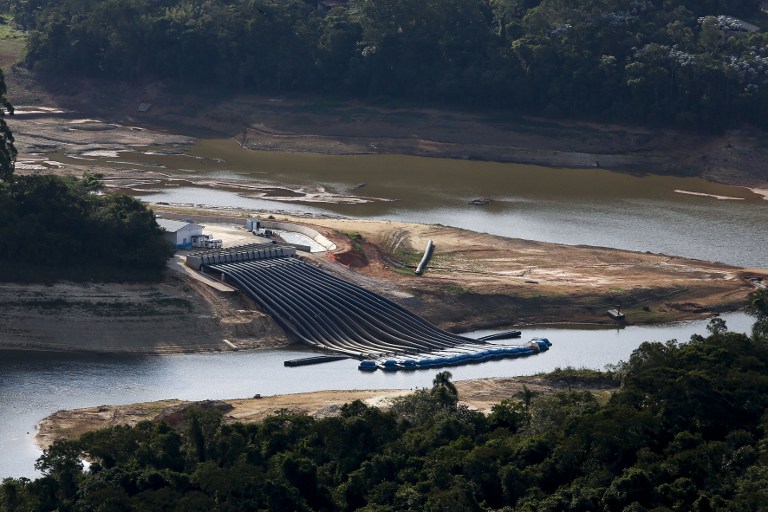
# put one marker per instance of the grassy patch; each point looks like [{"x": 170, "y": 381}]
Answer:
[
  {"x": 405, "y": 271},
  {"x": 455, "y": 289},
  {"x": 355, "y": 238},
  {"x": 8, "y": 30},
  {"x": 12, "y": 42},
  {"x": 408, "y": 257},
  {"x": 354, "y": 235},
  {"x": 397, "y": 245},
  {"x": 582, "y": 377}
]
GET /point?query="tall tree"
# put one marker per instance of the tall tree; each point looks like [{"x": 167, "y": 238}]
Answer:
[
  {"x": 7, "y": 149},
  {"x": 444, "y": 389},
  {"x": 758, "y": 308}
]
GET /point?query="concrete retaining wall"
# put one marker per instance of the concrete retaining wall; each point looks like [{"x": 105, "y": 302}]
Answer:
[
  {"x": 196, "y": 261},
  {"x": 304, "y": 230}
]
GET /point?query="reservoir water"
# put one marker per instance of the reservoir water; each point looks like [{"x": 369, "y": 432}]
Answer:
[
  {"x": 642, "y": 212},
  {"x": 34, "y": 385},
  {"x": 677, "y": 216}
]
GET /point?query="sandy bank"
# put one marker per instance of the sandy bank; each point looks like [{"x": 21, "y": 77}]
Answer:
[{"x": 478, "y": 394}]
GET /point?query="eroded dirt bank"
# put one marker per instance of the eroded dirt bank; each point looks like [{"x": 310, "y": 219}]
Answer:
[
  {"x": 474, "y": 281},
  {"x": 177, "y": 315}
]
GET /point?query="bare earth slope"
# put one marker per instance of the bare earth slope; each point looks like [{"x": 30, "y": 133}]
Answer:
[
  {"x": 478, "y": 280},
  {"x": 474, "y": 281},
  {"x": 178, "y": 315},
  {"x": 320, "y": 125}
]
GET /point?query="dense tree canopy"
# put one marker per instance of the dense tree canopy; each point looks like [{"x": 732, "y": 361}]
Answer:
[
  {"x": 57, "y": 228},
  {"x": 652, "y": 61},
  {"x": 7, "y": 149},
  {"x": 687, "y": 430}
]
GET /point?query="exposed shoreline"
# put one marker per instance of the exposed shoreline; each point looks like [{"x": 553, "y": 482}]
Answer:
[
  {"x": 477, "y": 394},
  {"x": 475, "y": 281},
  {"x": 94, "y": 115}
]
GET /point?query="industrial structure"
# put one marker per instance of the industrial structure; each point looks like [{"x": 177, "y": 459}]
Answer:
[
  {"x": 321, "y": 310},
  {"x": 179, "y": 233},
  {"x": 186, "y": 235}
]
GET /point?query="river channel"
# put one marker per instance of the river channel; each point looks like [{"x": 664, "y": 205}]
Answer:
[
  {"x": 671, "y": 215},
  {"x": 33, "y": 385}
]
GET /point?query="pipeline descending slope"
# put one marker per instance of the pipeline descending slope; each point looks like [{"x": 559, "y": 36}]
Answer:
[{"x": 322, "y": 310}]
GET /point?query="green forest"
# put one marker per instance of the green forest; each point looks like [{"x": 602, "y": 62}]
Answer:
[
  {"x": 686, "y": 430},
  {"x": 679, "y": 63},
  {"x": 56, "y": 228}
]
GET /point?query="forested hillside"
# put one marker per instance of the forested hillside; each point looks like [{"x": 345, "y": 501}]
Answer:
[
  {"x": 57, "y": 228},
  {"x": 687, "y": 430},
  {"x": 660, "y": 62}
]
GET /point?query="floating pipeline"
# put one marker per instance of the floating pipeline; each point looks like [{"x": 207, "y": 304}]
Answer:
[
  {"x": 326, "y": 312},
  {"x": 459, "y": 355},
  {"x": 500, "y": 336},
  {"x": 306, "y": 361}
]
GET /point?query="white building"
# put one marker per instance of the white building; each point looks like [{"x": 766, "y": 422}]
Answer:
[{"x": 179, "y": 233}]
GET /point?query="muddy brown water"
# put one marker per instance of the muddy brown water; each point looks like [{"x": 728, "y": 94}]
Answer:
[{"x": 662, "y": 214}]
